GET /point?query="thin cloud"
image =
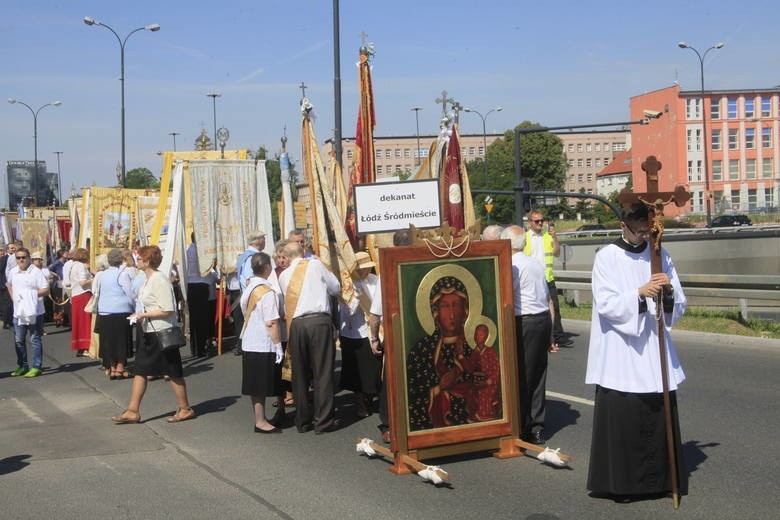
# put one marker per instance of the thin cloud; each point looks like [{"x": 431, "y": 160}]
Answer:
[
  {"x": 251, "y": 75},
  {"x": 312, "y": 48}
]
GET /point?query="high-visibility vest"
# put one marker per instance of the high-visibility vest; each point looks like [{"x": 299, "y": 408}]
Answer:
[{"x": 547, "y": 240}]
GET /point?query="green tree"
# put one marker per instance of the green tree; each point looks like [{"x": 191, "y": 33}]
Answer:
[
  {"x": 141, "y": 178},
  {"x": 542, "y": 162}
]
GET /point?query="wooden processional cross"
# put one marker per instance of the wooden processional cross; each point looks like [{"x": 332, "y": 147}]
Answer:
[{"x": 655, "y": 201}]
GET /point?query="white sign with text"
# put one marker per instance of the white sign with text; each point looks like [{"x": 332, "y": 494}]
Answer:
[{"x": 390, "y": 206}]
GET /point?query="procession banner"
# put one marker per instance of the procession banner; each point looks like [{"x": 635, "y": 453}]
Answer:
[
  {"x": 33, "y": 232},
  {"x": 113, "y": 219},
  {"x": 148, "y": 208}
]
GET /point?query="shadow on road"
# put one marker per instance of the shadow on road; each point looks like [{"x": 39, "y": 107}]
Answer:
[
  {"x": 559, "y": 415},
  {"x": 11, "y": 464},
  {"x": 693, "y": 454}
]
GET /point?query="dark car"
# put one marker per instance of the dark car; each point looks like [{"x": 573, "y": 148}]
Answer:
[
  {"x": 591, "y": 227},
  {"x": 731, "y": 220}
]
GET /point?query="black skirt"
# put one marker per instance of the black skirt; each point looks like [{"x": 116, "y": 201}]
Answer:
[
  {"x": 151, "y": 361},
  {"x": 261, "y": 376},
  {"x": 114, "y": 331},
  {"x": 361, "y": 370},
  {"x": 628, "y": 451}
]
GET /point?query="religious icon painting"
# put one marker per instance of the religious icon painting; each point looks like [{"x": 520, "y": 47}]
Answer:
[{"x": 449, "y": 338}]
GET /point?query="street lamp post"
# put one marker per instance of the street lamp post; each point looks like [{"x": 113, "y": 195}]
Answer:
[
  {"x": 708, "y": 199},
  {"x": 484, "y": 133},
  {"x": 417, "y": 124},
  {"x": 151, "y": 27},
  {"x": 35, "y": 138},
  {"x": 214, "y": 96},
  {"x": 174, "y": 134},
  {"x": 59, "y": 179}
]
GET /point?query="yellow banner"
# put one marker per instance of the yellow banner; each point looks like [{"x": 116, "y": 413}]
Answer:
[{"x": 113, "y": 218}]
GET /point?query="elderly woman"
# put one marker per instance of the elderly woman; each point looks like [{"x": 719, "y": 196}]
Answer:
[
  {"x": 114, "y": 305},
  {"x": 80, "y": 278},
  {"x": 158, "y": 312}
]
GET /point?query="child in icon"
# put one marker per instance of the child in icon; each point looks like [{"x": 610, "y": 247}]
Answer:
[{"x": 484, "y": 403}]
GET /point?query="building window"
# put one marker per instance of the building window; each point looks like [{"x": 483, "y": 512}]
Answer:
[
  {"x": 471, "y": 150},
  {"x": 407, "y": 153},
  {"x": 752, "y": 199},
  {"x": 580, "y": 177},
  {"x": 766, "y": 107},
  {"x": 698, "y": 170},
  {"x": 598, "y": 163},
  {"x": 766, "y": 137},
  {"x": 694, "y": 171},
  {"x": 379, "y": 170},
  {"x": 423, "y": 152},
  {"x": 349, "y": 154},
  {"x": 579, "y": 163},
  {"x": 619, "y": 147},
  {"x": 571, "y": 163},
  {"x": 733, "y": 169},
  {"x": 589, "y": 162},
  {"x": 750, "y": 138},
  {"x": 717, "y": 170},
  {"x": 481, "y": 151},
  {"x": 590, "y": 191},
  {"x": 690, "y": 171},
  {"x": 398, "y": 152},
  {"x": 733, "y": 139},
  {"x": 378, "y": 153},
  {"x": 716, "y": 145},
  {"x": 388, "y": 153},
  {"x": 606, "y": 147},
  {"x": 590, "y": 177},
  {"x": 588, "y": 147},
  {"x": 766, "y": 168},
  {"x": 597, "y": 147},
  {"x": 579, "y": 147},
  {"x": 750, "y": 169},
  {"x": 715, "y": 108},
  {"x": 606, "y": 161},
  {"x": 769, "y": 197},
  {"x": 732, "y": 108},
  {"x": 693, "y": 108},
  {"x": 570, "y": 147},
  {"x": 750, "y": 108}
]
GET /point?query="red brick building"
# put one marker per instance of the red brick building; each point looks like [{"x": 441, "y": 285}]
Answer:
[{"x": 742, "y": 128}]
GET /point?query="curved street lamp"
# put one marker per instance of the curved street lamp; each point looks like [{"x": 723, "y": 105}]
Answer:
[
  {"x": 484, "y": 133},
  {"x": 35, "y": 138},
  {"x": 151, "y": 27},
  {"x": 701, "y": 57}
]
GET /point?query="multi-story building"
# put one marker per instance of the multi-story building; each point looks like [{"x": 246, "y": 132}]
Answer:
[
  {"x": 395, "y": 155},
  {"x": 587, "y": 153},
  {"x": 742, "y": 146},
  {"x": 615, "y": 176}
]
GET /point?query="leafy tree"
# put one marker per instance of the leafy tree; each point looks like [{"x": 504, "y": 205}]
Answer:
[
  {"x": 542, "y": 162},
  {"x": 141, "y": 178}
]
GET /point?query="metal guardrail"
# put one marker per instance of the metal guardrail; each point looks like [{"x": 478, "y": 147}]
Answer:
[{"x": 740, "y": 287}]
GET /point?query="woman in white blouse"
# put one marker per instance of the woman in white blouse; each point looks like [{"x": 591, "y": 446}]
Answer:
[
  {"x": 158, "y": 312},
  {"x": 80, "y": 285}
]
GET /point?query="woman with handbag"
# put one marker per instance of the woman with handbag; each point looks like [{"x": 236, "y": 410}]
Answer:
[
  {"x": 80, "y": 285},
  {"x": 113, "y": 288},
  {"x": 158, "y": 318}
]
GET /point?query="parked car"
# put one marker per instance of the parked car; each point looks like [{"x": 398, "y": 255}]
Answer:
[
  {"x": 591, "y": 227},
  {"x": 731, "y": 220}
]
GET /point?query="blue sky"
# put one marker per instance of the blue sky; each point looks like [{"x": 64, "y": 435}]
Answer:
[{"x": 556, "y": 63}]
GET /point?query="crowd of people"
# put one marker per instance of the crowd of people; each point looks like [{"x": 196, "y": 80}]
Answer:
[{"x": 290, "y": 299}]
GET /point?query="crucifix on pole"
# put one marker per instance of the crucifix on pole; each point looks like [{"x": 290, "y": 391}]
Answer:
[
  {"x": 655, "y": 201},
  {"x": 303, "y": 88},
  {"x": 443, "y": 101}
]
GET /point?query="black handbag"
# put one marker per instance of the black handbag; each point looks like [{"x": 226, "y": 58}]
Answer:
[{"x": 171, "y": 338}]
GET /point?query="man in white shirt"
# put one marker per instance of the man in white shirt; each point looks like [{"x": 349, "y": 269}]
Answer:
[
  {"x": 307, "y": 286},
  {"x": 27, "y": 286},
  {"x": 533, "y": 324}
]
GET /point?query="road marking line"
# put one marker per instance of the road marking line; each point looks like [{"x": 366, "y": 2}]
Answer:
[
  {"x": 573, "y": 398},
  {"x": 27, "y": 411}
]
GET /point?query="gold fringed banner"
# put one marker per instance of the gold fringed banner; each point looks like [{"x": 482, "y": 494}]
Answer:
[{"x": 113, "y": 218}]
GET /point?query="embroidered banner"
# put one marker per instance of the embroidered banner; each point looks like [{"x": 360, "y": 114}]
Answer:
[{"x": 113, "y": 218}]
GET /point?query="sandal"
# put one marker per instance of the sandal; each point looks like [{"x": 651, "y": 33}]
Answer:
[
  {"x": 553, "y": 348},
  {"x": 178, "y": 417},
  {"x": 122, "y": 418}
]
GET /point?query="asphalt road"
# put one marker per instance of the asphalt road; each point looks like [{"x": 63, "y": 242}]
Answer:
[{"x": 61, "y": 457}]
